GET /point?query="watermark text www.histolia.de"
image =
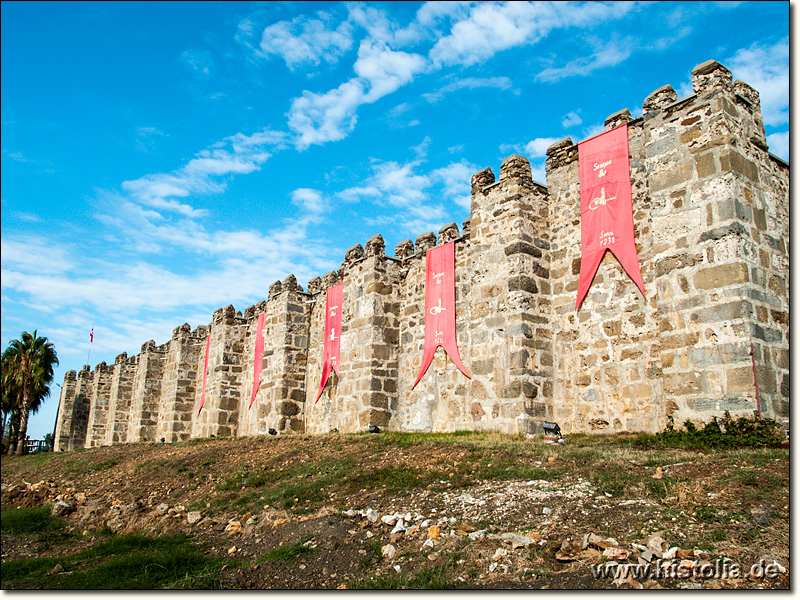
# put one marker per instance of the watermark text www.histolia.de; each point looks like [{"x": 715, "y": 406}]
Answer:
[{"x": 721, "y": 568}]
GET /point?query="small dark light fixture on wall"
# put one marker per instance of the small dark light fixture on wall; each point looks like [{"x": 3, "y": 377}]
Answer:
[{"x": 272, "y": 431}]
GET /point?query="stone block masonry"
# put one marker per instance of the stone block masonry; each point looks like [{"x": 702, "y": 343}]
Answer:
[
  {"x": 64, "y": 420},
  {"x": 121, "y": 395},
  {"x": 711, "y": 222},
  {"x": 99, "y": 405}
]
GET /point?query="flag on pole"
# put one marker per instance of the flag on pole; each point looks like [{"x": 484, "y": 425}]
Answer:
[{"x": 91, "y": 335}]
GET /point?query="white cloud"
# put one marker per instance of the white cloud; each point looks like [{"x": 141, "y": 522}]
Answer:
[
  {"x": 146, "y": 138},
  {"x": 33, "y": 253},
  {"x": 28, "y": 217},
  {"x": 16, "y": 156},
  {"x": 329, "y": 117},
  {"x": 685, "y": 89},
  {"x": 536, "y": 151},
  {"x": 491, "y": 28},
  {"x": 766, "y": 68},
  {"x": 304, "y": 41},
  {"x": 593, "y": 130},
  {"x": 237, "y": 154},
  {"x": 379, "y": 27},
  {"x": 359, "y": 193},
  {"x": 537, "y": 148},
  {"x": 779, "y": 144},
  {"x": 571, "y": 119},
  {"x": 456, "y": 181},
  {"x": 309, "y": 200},
  {"x": 605, "y": 55},
  {"x": 469, "y": 83},
  {"x": 417, "y": 201},
  {"x": 385, "y": 70},
  {"x": 233, "y": 266},
  {"x": 197, "y": 60},
  {"x": 320, "y": 118},
  {"x": 479, "y": 32}
]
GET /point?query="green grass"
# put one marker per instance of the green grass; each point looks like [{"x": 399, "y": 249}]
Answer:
[
  {"x": 395, "y": 478},
  {"x": 119, "y": 562},
  {"x": 88, "y": 465},
  {"x": 27, "y": 521},
  {"x": 726, "y": 432},
  {"x": 427, "y": 578},
  {"x": 35, "y": 460},
  {"x": 280, "y": 485},
  {"x": 380, "y": 582},
  {"x": 289, "y": 553}
]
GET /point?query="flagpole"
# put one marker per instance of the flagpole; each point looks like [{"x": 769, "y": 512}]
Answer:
[{"x": 91, "y": 339}]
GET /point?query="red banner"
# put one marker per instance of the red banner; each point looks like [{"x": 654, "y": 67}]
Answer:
[
  {"x": 440, "y": 307},
  {"x": 333, "y": 334},
  {"x": 258, "y": 358},
  {"x": 606, "y": 207},
  {"x": 205, "y": 375}
]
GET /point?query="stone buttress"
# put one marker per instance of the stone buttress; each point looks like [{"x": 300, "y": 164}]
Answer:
[
  {"x": 80, "y": 409},
  {"x": 99, "y": 409},
  {"x": 439, "y": 401},
  {"x": 280, "y": 401},
  {"x": 179, "y": 385},
  {"x": 66, "y": 404},
  {"x": 119, "y": 404},
  {"x": 367, "y": 392},
  {"x": 509, "y": 290},
  {"x": 146, "y": 393},
  {"x": 220, "y": 412}
]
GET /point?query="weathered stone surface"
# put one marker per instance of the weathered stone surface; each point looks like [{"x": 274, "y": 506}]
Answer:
[
  {"x": 404, "y": 249},
  {"x": 375, "y": 246},
  {"x": 659, "y": 99},
  {"x": 711, "y": 220},
  {"x": 425, "y": 242},
  {"x": 481, "y": 179},
  {"x": 710, "y": 74},
  {"x": 618, "y": 118},
  {"x": 516, "y": 166},
  {"x": 721, "y": 276}
]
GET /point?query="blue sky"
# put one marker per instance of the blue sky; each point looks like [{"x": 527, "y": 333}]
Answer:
[{"x": 161, "y": 160}]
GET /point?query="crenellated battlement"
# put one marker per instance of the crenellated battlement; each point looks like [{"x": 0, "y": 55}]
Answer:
[{"x": 711, "y": 218}]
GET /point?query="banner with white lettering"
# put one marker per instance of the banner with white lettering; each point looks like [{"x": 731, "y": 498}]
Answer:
[
  {"x": 258, "y": 358},
  {"x": 440, "y": 307},
  {"x": 606, "y": 207},
  {"x": 205, "y": 375},
  {"x": 333, "y": 334}
]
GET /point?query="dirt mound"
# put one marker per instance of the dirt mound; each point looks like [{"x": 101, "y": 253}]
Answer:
[{"x": 393, "y": 510}]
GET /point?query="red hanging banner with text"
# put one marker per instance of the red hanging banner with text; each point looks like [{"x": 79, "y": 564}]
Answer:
[
  {"x": 259, "y": 357},
  {"x": 205, "y": 375},
  {"x": 606, "y": 207},
  {"x": 333, "y": 334},
  {"x": 440, "y": 307}
]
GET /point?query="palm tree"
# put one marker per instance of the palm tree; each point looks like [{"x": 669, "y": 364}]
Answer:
[
  {"x": 28, "y": 365},
  {"x": 10, "y": 405}
]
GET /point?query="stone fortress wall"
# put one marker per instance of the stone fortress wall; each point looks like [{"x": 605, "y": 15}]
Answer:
[{"x": 711, "y": 220}]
